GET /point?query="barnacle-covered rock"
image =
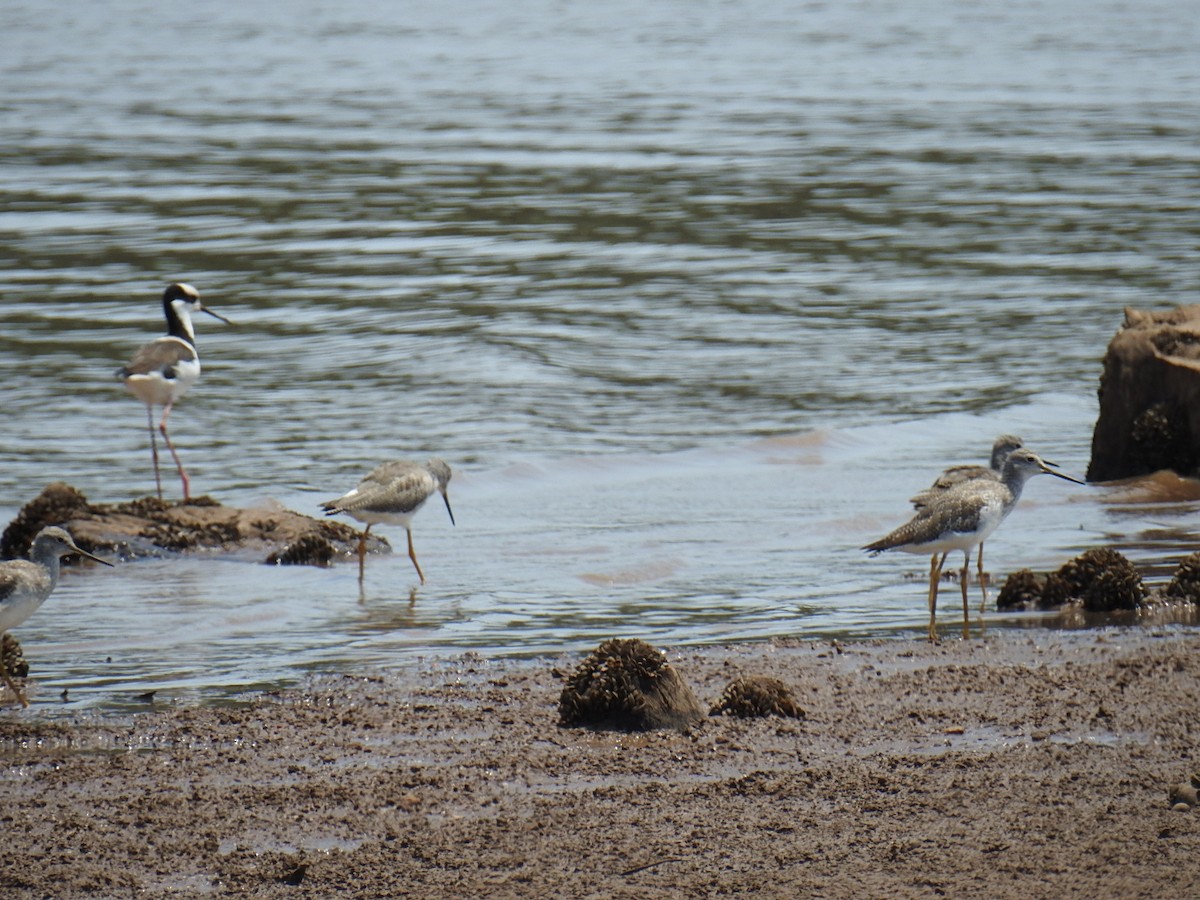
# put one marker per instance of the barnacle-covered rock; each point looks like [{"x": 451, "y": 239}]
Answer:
[
  {"x": 757, "y": 696},
  {"x": 627, "y": 685},
  {"x": 1185, "y": 585},
  {"x": 1102, "y": 579},
  {"x": 152, "y": 527},
  {"x": 1022, "y": 590},
  {"x": 12, "y": 660}
]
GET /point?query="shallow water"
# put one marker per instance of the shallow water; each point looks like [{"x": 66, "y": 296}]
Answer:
[{"x": 692, "y": 297}]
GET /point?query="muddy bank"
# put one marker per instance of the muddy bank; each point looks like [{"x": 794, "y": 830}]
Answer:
[
  {"x": 1017, "y": 766},
  {"x": 152, "y": 527}
]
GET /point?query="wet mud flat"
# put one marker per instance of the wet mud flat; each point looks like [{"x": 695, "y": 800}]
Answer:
[{"x": 1022, "y": 765}]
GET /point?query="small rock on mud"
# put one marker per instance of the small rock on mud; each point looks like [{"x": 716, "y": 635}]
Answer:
[{"x": 757, "y": 696}]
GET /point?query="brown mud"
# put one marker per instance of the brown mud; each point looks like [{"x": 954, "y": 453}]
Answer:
[{"x": 1024, "y": 765}]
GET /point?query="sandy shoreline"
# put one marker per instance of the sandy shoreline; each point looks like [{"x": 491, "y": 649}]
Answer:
[{"x": 1027, "y": 765}]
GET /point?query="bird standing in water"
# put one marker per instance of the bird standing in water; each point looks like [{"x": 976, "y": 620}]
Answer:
[
  {"x": 961, "y": 518},
  {"x": 25, "y": 584},
  {"x": 955, "y": 475},
  {"x": 391, "y": 495},
  {"x": 162, "y": 370}
]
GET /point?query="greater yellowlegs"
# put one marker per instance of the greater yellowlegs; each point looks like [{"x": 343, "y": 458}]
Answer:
[
  {"x": 25, "y": 585},
  {"x": 961, "y": 518},
  {"x": 391, "y": 495},
  {"x": 162, "y": 370},
  {"x": 955, "y": 475}
]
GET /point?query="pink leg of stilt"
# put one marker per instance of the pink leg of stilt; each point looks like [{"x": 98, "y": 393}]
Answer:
[{"x": 162, "y": 426}]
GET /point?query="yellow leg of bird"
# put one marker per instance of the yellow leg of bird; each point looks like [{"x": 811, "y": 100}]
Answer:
[
  {"x": 982, "y": 587},
  {"x": 412, "y": 554},
  {"x": 362, "y": 553},
  {"x": 935, "y": 575},
  {"x": 12, "y": 686}
]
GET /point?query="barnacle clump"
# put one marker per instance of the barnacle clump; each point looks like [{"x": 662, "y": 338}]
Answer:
[
  {"x": 148, "y": 526},
  {"x": 627, "y": 685},
  {"x": 1185, "y": 585},
  {"x": 1102, "y": 579},
  {"x": 757, "y": 696},
  {"x": 12, "y": 660},
  {"x": 57, "y": 503},
  {"x": 309, "y": 550},
  {"x": 1022, "y": 589}
]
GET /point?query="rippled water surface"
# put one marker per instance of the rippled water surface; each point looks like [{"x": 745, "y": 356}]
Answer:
[{"x": 692, "y": 296}]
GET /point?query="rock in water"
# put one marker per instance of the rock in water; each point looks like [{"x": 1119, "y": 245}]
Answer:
[
  {"x": 627, "y": 685},
  {"x": 1102, "y": 579},
  {"x": 1150, "y": 397}
]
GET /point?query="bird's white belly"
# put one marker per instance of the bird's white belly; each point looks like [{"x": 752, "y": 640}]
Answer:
[
  {"x": 24, "y": 601},
  {"x": 155, "y": 389},
  {"x": 382, "y": 517}
]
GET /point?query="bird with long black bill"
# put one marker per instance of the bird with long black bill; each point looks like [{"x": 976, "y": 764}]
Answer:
[
  {"x": 162, "y": 371},
  {"x": 25, "y": 584},
  {"x": 392, "y": 494}
]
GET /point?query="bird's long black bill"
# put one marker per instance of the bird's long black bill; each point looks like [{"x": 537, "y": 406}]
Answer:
[
  {"x": 1064, "y": 477},
  {"x": 215, "y": 315},
  {"x": 83, "y": 552},
  {"x": 449, "y": 510}
]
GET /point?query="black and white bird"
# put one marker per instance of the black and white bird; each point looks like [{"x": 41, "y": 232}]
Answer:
[
  {"x": 162, "y": 371},
  {"x": 25, "y": 584},
  {"x": 391, "y": 495}
]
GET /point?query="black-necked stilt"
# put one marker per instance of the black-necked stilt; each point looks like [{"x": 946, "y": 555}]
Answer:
[
  {"x": 963, "y": 517},
  {"x": 162, "y": 370},
  {"x": 25, "y": 585},
  {"x": 391, "y": 495}
]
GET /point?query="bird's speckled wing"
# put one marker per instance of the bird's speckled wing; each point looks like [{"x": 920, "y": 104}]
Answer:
[
  {"x": 955, "y": 511},
  {"x": 8, "y": 581},
  {"x": 161, "y": 356},
  {"x": 398, "y": 486},
  {"x": 952, "y": 477}
]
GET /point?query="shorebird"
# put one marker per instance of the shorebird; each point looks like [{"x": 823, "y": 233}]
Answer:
[
  {"x": 162, "y": 370},
  {"x": 1001, "y": 448},
  {"x": 961, "y": 518},
  {"x": 391, "y": 495},
  {"x": 25, "y": 585}
]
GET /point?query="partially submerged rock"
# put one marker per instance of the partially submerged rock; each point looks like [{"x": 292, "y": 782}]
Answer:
[
  {"x": 1185, "y": 585},
  {"x": 153, "y": 527},
  {"x": 1101, "y": 579},
  {"x": 1023, "y": 589},
  {"x": 627, "y": 685},
  {"x": 12, "y": 660},
  {"x": 757, "y": 696},
  {"x": 1150, "y": 397}
]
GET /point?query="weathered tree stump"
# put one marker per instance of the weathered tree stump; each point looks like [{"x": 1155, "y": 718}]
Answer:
[{"x": 1150, "y": 397}]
